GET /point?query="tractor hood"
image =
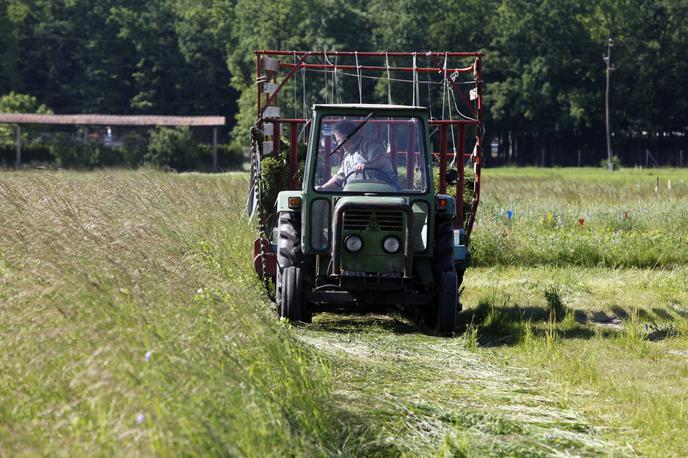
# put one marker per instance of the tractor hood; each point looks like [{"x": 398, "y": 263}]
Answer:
[{"x": 370, "y": 199}]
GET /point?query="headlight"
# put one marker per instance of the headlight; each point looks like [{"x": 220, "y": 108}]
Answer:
[
  {"x": 353, "y": 243},
  {"x": 391, "y": 244}
]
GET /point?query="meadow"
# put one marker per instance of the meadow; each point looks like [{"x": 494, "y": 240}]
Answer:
[{"x": 131, "y": 323}]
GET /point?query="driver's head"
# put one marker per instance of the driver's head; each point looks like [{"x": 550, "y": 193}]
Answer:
[{"x": 343, "y": 129}]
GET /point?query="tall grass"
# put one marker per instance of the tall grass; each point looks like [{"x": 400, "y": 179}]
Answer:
[
  {"x": 131, "y": 323},
  {"x": 582, "y": 217}
]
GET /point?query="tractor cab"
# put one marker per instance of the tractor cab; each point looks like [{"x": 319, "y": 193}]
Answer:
[{"x": 370, "y": 193}]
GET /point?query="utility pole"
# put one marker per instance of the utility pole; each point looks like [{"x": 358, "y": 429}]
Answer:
[{"x": 608, "y": 60}]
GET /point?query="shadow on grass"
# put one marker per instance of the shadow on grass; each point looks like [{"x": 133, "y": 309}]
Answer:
[
  {"x": 509, "y": 324},
  {"x": 503, "y": 324}
]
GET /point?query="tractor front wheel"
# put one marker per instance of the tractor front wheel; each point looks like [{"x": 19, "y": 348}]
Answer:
[
  {"x": 447, "y": 306},
  {"x": 290, "y": 303}
]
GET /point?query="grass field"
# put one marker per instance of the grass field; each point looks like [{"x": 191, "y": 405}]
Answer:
[{"x": 131, "y": 324}]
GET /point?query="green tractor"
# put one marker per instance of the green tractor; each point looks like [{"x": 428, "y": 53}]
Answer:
[{"x": 368, "y": 229}]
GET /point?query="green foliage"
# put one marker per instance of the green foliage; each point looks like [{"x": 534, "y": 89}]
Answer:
[
  {"x": 230, "y": 156},
  {"x": 616, "y": 163},
  {"x": 172, "y": 148},
  {"x": 69, "y": 151},
  {"x": 468, "y": 189},
  {"x": 544, "y": 78},
  {"x": 31, "y": 152},
  {"x": 134, "y": 147},
  {"x": 18, "y": 103}
]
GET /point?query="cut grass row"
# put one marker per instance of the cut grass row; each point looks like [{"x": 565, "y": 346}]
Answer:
[{"x": 612, "y": 343}]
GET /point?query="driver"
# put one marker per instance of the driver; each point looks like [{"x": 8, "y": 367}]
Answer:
[{"x": 360, "y": 152}]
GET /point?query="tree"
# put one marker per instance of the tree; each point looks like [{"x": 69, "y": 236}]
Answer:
[{"x": 18, "y": 103}]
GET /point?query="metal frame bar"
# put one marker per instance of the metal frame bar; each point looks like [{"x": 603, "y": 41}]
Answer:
[{"x": 375, "y": 68}]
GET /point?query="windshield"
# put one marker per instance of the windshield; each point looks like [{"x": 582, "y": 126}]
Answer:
[{"x": 371, "y": 154}]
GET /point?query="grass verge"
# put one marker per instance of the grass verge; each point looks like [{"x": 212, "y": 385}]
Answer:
[{"x": 131, "y": 323}]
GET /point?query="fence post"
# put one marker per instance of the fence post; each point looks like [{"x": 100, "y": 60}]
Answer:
[
  {"x": 680, "y": 158},
  {"x": 579, "y": 158},
  {"x": 214, "y": 149},
  {"x": 18, "y": 162}
]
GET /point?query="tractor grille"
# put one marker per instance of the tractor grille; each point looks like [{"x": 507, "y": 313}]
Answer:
[{"x": 384, "y": 220}]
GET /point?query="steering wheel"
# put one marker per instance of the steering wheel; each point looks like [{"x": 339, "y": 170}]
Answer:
[{"x": 381, "y": 172}]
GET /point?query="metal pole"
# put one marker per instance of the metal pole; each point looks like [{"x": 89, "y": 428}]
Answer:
[
  {"x": 608, "y": 60},
  {"x": 443, "y": 158},
  {"x": 680, "y": 160},
  {"x": 214, "y": 149},
  {"x": 18, "y": 130}
]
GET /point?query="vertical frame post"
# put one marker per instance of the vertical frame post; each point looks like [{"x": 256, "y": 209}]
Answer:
[
  {"x": 259, "y": 85},
  {"x": 276, "y": 144},
  {"x": 215, "y": 149},
  {"x": 393, "y": 145},
  {"x": 443, "y": 158},
  {"x": 458, "y": 222},
  {"x": 410, "y": 157},
  {"x": 327, "y": 173},
  {"x": 293, "y": 156},
  {"x": 477, "y": 162},
  {"x": 18, "y": 159}
]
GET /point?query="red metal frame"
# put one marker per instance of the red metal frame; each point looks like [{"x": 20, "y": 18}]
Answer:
[{"x": 442, "y": 124}]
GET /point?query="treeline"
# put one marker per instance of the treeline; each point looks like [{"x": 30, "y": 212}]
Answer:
[{"x": 545, "y": 76}]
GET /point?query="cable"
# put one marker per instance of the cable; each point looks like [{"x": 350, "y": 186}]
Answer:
[
  {"x": 452, "y": 98},
  {"x": 303, "y": 81},
  {"x": 389, "y": 82},
  {"x": 444, "y": 84},
  {"x": 360, "y": 82}
]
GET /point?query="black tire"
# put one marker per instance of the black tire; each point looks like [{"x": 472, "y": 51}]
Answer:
[
  {"x": 289, "y": 252},
  {"x": 290, "y": 303},
  {"x": 447, "y": 305},
  {"x": 443, "y": 253}
]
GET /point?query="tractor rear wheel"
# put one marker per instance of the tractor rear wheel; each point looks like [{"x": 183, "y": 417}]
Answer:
[
  {"x": 291, "y": 303},
  {"x": 447, "y": 306}
]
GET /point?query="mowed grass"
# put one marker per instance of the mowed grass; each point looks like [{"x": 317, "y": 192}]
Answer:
[
  {"x": 131, "y": 323},
  {"x": 599, "y": 309}
]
